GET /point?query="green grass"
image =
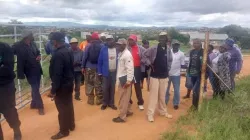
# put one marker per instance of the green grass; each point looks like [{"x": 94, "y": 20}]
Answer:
[
  {"x": 217, "y": 120},
  {"x": 245, "y": 51}
]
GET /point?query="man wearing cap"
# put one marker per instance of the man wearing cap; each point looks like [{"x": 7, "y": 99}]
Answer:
[
  {"x": 125, "y": 76},
  {"x": 235, "y": 63},
  {"x": 137, "y": 53},
  {"x": 175, "y": 73},
  {"x": 7, "y": 91},
  {"x": 159, "y": 59},
  {"x": 89, "y": 67},
  {"x": 77, "y": 54},
  {"x": 28, "y": 64},
  {"x": 61, "y": 72},
  {"x": 85, "y": 43},
  {"x": 107, "y": 69}
]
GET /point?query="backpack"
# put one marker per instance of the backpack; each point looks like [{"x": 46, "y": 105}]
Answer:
[{"x": 94, "y": 51}]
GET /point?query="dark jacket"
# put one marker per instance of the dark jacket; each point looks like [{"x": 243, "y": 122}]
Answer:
[
  {"x": 27, "y": 65},
  {"x": 7, "y": 74},
  {"x": 61, "y": 69}
]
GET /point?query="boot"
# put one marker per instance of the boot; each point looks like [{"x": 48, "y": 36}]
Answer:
[{"x": 91, "y": 100}]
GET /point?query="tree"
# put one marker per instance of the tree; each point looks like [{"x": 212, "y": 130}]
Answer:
[
  {"x": 14, "y": 21},
  {"x": 174, "y": 34},
  {"x": 234, "y": 31}
]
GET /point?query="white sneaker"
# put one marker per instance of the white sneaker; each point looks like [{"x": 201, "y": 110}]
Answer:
[
  {"x": 169, "y": 116},
  {"x": 141, "y": 107},
  {"x": 150, "y": 119}
]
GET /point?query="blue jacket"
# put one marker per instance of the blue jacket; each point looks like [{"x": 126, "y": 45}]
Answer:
[{"x": 103, "y": 62}]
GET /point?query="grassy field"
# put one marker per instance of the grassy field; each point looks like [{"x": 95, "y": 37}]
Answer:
[{"x": 217, "y": 120}]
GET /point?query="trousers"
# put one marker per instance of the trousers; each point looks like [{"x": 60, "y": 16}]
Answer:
[
  {"x": 77, "y": 78},
  {"x": 176, "y": 80},
  {"x": 64, "y": 105},
  {"x": 137, "y": 85},
  {"x": 93, "y": 83},
  {"x": 109, "y": 89},
  {"x": 196, "y": 90},
  {"x": 124, "y": 103}
]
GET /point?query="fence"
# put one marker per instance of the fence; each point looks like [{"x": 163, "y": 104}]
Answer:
[{"x": 23, "y": 89}]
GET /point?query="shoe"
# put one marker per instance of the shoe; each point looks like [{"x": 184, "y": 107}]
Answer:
[
  {"x": 118, "y": 120},
  {"x": 41, "y": 111},
  {"x": 176, "y": 107},
  {"x": 103, "y": 107},
  {"x": 59, "y": 136},
  {"x": 78, "y": 99},
  {"x": 168, "y": 116},
  {"x": 129, "y": 114},
  {"x": 98, "y": 101},
  {"x": 151, "y": 119},
  {"x": 113, "y": 107},
  {"x": 141, "y": 107},
  {"x": 186, "y": 97},
  {"x": 72, "y": 128},
  {"x": 91, "y": 100}
]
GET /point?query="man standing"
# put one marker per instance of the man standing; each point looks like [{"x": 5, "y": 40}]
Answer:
[
  {"x": 62, "y": 75},
  {"x": 28, "y": 64},
  {"x": 89, "y": 66},
  {"x": 107, "y": 69},
  {"x": 175, "y": 73},
  {"x": 77, "y": 54},
  {"x": 235, "y": 63},
  {"x": 194, "y": 70},
  {"x": 159, "y": 59},
  {"x": 137, "y": 53},
  {"x": 85, "y": 43},
  {"x": 125, "y": 69},
  {"x": 7, "y": 91}
]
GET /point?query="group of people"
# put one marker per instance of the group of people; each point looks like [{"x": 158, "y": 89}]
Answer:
[{"x": 104, "y": 63}]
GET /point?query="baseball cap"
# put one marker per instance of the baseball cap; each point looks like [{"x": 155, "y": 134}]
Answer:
[
  {"x": 58, "y": 36},
  {"x": 73, "y": 40},
  {"x": 95, "y": 36},
  {"x": 229, "y": 42},
  {"x": 133, "y": 37},
  {"x": 163, "y": 33},
  {"x": 122, "y": 41},
  {"x": 109, "y": 37},
  {"x": 175, "y": 42}
]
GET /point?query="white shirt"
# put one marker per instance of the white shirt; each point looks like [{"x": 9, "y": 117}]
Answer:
[
  {"x": 178, "y": 60},
  {"x": 215, "y": 63},
  {"x": 112, "y": 58},
  {"x": 125, "y": 65}
]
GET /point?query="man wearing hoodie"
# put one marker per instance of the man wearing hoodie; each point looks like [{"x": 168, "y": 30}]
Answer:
[
  {"x": 235, "y": 63},
  {"x": 89, "y": 67},
  {"x": 137, "y": 53},
  {"x": 7, "y": 91}
]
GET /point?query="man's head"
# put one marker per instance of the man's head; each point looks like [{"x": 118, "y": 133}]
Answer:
[
  {"x": 145, "y": 44},
  {"x": 63, "y": 31},
  {"x": 88, "y": 38},
  {"x": 27, "y": 36},
  {"x": 163, "y": 38},
  {"x": 197, "y": 44},
  {"x": 95, "y": 36},
  {"x": 103, "y": 37},
  {"x": 74, "y": 43},
  {"x": 223, "y": 48},
  {"x": 57, "y": 39},
  {"x": 176, "y": 45},
  {"x": 121, "y": 44},
  {"x": 110, "y": 41},
  {"x": 210, "y": 48},
  {"x": 132, "y": 40},
  {"x": 229, "y": 43}
]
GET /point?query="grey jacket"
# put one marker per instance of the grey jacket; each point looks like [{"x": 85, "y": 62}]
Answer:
[
  {"x": 77, "y": 59},
  {"x": 141, "y": 52},
  {"x": 150, "y": 54}
]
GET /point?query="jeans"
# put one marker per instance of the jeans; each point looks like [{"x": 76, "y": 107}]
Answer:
[
  {"x": 77, "y": 78},
  {"x": 196, "y": 90},
  {"x": 176, "y": 80},
  {"x": 34, "y": 81}
]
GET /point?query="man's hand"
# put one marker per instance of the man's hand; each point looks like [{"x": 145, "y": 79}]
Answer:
[
  {"x": 83, "y": 71},
  {"x": 152, "y": 67},
  {"x": 52, "y": 96},
  {"x": 127, "y": 84},
  {"x": 38, "y": 58}
]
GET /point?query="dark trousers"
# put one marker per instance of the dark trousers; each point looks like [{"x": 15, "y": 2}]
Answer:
[
  {"x": 34, "y": 81},
  {"x": 7, "y": 107},
  {"x": 77, "y": 77},
  {"x": 232, "y": 77},
  {"x": 82, "y": 79},
  {"x": 137, "y": 85},
  {"x": 64, "y": 105},
  {"x": 196, "y": 90},
  {"x": 109, "y": 89}
]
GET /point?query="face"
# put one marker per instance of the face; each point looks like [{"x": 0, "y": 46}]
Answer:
[
  {"x": 223, "y": 49},
  {"x": 197, "y": 44},
  {"x": 146, "y": 46},
  {"x": 131, "y": 42},
  {"x": 103, "y": 38},
  {"x": 163, "y": 39},
  {"x": 73, "y": 45},
  {"x": 210, "y": 48},
  {"x": 176, "y": 47},
  {"x": 120, "y": 47},
  {"x": 110, "y": 42}
]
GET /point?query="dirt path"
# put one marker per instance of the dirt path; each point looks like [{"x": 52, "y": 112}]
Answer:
[{"x": 94, "y": 124}]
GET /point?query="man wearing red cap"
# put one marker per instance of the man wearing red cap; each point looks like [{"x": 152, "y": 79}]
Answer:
[
  {"x": 89, "y": 67},
  {"x": 137, "y": 53}
]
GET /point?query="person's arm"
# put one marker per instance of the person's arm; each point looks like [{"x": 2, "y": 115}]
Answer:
[
  {"x": 85, "y": 57},
  {"x": 183, "y": 66},
  {"x": 100, "y": 62},
  {"x": 169, "y": 58},
  {"x": 7, "y": 64},
  {"x": 129, "y": 66},
  {"x": 146, "y": 57},
  {"x": 57, "y": 69},
  {"x": 238, "y": 61},
  {"x": 20, "y": 61}
]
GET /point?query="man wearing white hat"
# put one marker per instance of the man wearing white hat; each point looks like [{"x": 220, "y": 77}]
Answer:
[
  {"x": 159, "y": 59},
  {"x": 107, "y": 64},
  {"x": 77, "y": 53}
]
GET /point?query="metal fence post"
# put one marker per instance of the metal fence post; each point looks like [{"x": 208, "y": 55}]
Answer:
[
  {"x": 204, "y": 66},
  {"x": 18, "y": 81},
  {"x": 40, "y": 48}
]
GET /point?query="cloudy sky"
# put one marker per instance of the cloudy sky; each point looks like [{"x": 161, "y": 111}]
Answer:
[{"x": 211, "y": 13}]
